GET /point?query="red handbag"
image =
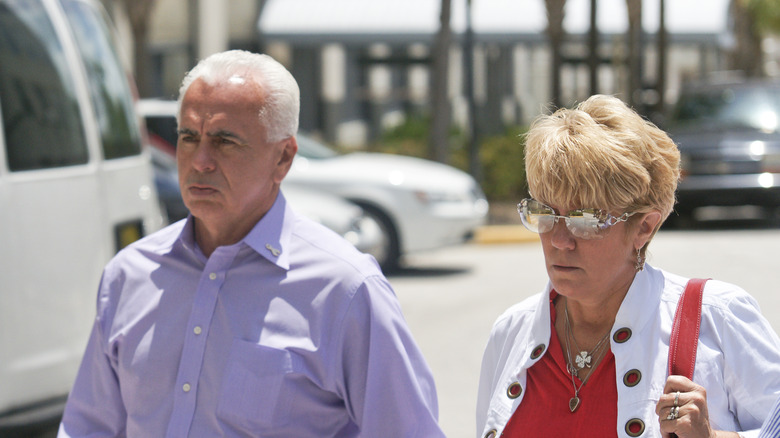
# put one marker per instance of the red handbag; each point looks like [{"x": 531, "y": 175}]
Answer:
[{"x": 685, "y": 330}]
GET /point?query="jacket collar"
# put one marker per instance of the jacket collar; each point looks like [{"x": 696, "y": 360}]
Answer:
[{"x": 644, "y": 293}]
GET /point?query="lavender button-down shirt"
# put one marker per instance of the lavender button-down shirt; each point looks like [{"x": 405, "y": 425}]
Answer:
[{"x": 290, "y": 332}]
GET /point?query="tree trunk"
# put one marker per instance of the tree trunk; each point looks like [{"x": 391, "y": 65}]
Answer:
[
  {"x": 594, "y": 60},
  {"x": 139, "y": 13},
  {"x": 555, "y": 34},
  {"x": 660, "y": 84},
  {"x": 747, "y": 55},
  {"x": 440, "y": 102},
  {"x": 634, "y": 51}
]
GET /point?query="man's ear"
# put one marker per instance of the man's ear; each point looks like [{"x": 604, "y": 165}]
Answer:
[{"x": 289, "y": 148}]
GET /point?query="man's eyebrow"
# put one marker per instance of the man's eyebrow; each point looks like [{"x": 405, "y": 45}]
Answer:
[
  {"x": 185, "y": 131},
  {"x": 223, "y": 133}
]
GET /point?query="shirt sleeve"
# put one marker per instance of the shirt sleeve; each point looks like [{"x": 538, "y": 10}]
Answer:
[
  {"x": 751, "y": 354},
  {"x": 386, "y": 384},
  {"x": 94, "y": 407},
  {"x": 771, "y": 427}
]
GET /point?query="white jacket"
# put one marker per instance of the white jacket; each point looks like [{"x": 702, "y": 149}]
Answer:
[{"x": 738, "y": 359}]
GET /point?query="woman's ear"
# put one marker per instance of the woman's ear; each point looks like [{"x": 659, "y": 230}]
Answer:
[{"x": 646, "y": 228}]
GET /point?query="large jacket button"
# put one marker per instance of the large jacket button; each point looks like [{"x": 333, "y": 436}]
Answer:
[
  {"x": 632, "y": 378},
  {"x": 622, "y": 335},
  {"x": 514, "y": 390},
  {"x": 538, "y": 351},
  {"x": 635, "y": 427}
]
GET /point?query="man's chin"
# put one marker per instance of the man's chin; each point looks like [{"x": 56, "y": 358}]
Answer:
[{"x": 203, "y": 209}]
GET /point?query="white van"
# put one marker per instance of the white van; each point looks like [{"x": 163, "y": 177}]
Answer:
[{"x": 75, "y": 186}]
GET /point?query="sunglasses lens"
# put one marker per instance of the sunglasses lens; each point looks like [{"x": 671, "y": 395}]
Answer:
[
  {"x": 584, "y": 227},
  {"x": 586, "y": 223},
  {"x": 536, "y": 216}
]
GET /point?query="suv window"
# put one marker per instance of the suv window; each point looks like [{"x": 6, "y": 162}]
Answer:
[
  {"x": 107, "y": 81},
  {"x": 730, "y": 108},
  {"x": 37, "y": 94}
]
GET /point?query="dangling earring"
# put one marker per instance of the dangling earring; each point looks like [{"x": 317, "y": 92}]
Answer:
[{"x": 640, "y": 261}]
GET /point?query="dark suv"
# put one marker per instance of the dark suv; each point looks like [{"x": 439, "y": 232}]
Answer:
[{"x": 729, "y": 139}]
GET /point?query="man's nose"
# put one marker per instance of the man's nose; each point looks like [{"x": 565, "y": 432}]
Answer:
[{"x": 203, "y": 156}]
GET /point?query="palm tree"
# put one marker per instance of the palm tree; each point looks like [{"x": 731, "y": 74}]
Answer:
[
  {"x": 634, "y": 49},
  {"x": 662, "y": 44},
  {"x": 747, "y": 55},
  {"x": 139, "y": 14},
  {"x": 593, "y": 49},
  {"x": 556, "y": 36},
  {"x": 440, "y": 103}
]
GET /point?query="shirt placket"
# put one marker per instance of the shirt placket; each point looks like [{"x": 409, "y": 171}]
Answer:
[{"x": 193, "y": 352}]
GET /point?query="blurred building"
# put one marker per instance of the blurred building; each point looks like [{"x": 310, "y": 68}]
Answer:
[{"x": 365, "y": 65}]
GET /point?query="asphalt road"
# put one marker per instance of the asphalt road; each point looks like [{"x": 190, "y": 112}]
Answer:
[{"x": 451, "y": 297}]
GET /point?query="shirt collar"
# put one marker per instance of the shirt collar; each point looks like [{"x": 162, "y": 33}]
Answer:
[{"x": 270, "y": 237}]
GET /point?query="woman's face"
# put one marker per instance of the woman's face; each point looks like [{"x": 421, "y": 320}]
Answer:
[{"x": 592, "y": 270}]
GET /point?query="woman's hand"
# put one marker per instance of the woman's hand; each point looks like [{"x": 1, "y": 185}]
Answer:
[{"x": 682, "y": 410}]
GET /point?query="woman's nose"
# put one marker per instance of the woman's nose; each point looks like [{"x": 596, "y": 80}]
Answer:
[{"x": 561, "y": 236}]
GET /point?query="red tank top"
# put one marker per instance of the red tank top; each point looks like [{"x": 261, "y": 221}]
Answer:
[{"x": 544, "y": 411}]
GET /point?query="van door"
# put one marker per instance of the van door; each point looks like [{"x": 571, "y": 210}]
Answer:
[{"x": 63, "y": 211}]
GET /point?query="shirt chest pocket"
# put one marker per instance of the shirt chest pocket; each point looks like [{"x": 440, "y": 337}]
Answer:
[{"x": 251, "y": 397}]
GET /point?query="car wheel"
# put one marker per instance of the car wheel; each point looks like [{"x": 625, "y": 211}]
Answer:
[{"x": 387, "y": 250}]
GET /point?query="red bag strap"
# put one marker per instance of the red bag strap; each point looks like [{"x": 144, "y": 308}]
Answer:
[{"x": 685, "y": 330}]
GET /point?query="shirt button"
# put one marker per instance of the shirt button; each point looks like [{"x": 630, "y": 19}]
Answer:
[
  {"x": 197, "y": 330},
  {"x": 213, "y": 276},
  {"x": 186, "y": 387}
]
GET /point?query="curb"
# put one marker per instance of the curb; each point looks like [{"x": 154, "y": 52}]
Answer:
[{"x": 494, "y": 234}]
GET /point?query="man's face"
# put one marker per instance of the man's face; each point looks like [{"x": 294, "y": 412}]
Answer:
[{"x": 228, "y": 174}]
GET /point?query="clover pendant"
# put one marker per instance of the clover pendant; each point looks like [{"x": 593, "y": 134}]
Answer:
[{"x": 583, "y": 360}]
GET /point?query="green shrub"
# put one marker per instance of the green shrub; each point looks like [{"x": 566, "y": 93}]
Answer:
[{"x": 503, "y": 166}]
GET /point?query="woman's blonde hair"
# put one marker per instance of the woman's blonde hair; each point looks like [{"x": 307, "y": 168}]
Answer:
[{"x": 602, "y": 154}]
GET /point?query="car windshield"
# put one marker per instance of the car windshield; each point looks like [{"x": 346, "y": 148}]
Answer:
[
  {"x": 312, "y": 149},
  {"x": 736, "y": 107}
]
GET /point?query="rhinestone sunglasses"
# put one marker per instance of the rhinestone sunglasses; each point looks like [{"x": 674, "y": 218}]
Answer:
[{"x": 584, "y": 223}]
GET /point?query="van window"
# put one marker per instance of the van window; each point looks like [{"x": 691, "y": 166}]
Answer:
[
  {"x": 107, "y": 81},
  {"x": 37, "y": 94}
]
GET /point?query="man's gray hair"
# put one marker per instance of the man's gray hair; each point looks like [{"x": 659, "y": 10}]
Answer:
[{"x": 279, "y": 113}]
